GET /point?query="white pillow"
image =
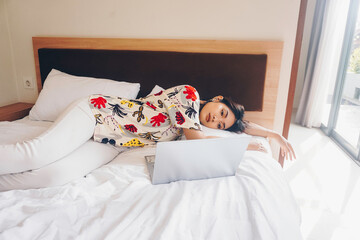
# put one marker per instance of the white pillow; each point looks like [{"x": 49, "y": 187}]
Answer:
[
  {"x": 215, "y": 132},
  {"x": 156, "y": 89},
  {"x": 218, "y": 133},
  {"x": 61, "y": 89}
]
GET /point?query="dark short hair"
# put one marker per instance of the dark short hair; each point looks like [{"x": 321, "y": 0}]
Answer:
[{"x": 239, "y": 111}]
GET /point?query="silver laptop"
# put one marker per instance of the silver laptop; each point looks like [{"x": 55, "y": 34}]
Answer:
[{"x": 196, "y": 159}]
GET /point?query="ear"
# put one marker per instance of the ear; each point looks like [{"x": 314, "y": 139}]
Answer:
[{"x": 217, "y": 98}]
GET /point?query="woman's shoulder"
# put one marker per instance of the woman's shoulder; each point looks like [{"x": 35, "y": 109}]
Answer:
[
  {"x": 182, "y": 89},
  {"x": 184, "y": 86},
  {"x": 184, "y": 93}
]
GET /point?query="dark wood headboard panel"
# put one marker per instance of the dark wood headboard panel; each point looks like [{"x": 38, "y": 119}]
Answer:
[
  {"x": 247, "y": 71},
  {"x": 241, "y": 76}
]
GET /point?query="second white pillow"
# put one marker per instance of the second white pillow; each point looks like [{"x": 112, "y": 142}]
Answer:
[{"x": 61, "y": 89}]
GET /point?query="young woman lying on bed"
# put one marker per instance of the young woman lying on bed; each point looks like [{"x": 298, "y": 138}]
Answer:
[{"x": 163, "y": 116}]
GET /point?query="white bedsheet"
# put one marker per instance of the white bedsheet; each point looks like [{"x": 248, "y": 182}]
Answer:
[
  {"x": 117, "y": 201},
  {"x": 76, "y": 164}
]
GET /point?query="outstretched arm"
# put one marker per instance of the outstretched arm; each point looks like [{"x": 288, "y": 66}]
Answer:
[
  {"x": 196, "y": 134},
  {"x": 285, "y": 146}
]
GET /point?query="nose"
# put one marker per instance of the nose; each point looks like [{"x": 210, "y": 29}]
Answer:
[{"x": 214, "y": 117}]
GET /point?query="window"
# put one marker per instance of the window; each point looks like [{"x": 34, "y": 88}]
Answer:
[{"x": 342, "y": 122}]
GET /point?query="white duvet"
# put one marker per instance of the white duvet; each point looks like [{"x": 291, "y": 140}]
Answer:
[{"x": 117, "y": 201}]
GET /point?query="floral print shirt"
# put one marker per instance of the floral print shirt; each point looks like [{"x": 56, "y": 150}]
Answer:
[{"x": 157, "y": 117}]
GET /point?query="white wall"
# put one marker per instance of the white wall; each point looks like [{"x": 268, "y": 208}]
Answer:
[
  {"x": 8, "y": 88},
  {"x": 201, "y": 19}
]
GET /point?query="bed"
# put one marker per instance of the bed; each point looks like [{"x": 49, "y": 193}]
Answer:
[{"x": 115, "y": 199}]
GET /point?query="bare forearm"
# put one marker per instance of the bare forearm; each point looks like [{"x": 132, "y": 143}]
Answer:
[
  {"x": 257, "y": 130},
  {"x": 195, "y": 134}
]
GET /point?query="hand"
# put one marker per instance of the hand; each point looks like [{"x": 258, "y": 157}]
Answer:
[
  {"x": 286, "y": 149},
  {"x": 256, "y": 146}
]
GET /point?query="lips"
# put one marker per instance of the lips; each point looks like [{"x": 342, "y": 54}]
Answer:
[{"x": 208, "y": 118}]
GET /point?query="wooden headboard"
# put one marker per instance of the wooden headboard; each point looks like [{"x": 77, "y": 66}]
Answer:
[{"x": 247, "y": 71}]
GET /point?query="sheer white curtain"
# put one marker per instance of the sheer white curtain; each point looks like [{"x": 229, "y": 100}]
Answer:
[{"x": 323, "y": 61}]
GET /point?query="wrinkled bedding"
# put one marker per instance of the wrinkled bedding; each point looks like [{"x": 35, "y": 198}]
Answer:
[{"x": 117, "y": 201}]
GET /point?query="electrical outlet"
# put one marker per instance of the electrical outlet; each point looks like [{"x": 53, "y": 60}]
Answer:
[{"x": 28, "y": 82}]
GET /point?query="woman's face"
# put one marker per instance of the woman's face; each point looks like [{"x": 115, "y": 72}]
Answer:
[{"x": 216, "y": 115}]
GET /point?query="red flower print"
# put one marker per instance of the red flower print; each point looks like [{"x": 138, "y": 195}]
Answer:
[
  {"x": 98, "y": 102},
  {"x": 159, "y": 93},
  {"x": 158, "y": 119},
  {"x": 179, "y": 118},
  {"x": 190, "y": 91},
  {"x": 131, "y": 128},
  {"x": 150, "y": 105}
]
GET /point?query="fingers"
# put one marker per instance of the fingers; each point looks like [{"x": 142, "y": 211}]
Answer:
[
  {"x": 292, "y": 151},
  {"x": 288, "y": 152},
  {"x": 256, "y": 146},
  {"x": 262, "y": 148}
]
